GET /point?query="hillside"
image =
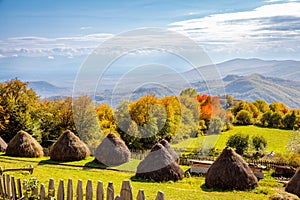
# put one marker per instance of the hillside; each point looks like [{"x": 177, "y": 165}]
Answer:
[
  {"x": 256, "y": 86},
  {"x": 45, "y": 89}
]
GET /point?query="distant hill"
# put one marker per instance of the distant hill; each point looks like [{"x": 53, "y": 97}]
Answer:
[
  {"x": 285, "y": 69},
  {"x": 256, "y": 86},
  {"x": 46, "y": 90}
]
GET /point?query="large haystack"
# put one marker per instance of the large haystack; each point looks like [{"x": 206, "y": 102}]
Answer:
[
  {"x": 69, "y": 147},
  {"x": 166, "y": 144},
  {"x": 24, "y": 145},
  {"x": 230, "y": 172},
  {"x": 112, "y": 151},
  {"x": 159, "y": 165},
  {"x": 3, "y": 145},
  {"x": 293, "y": 185}
]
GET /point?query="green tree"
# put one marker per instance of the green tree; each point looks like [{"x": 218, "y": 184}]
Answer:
[
  {"x": 19, "y": 109},
  {"x": 190, "y": 92},
  {"x": 215, "y": 126},
  {"x": 289, "y": 120},
  {"x": 244, "y": 117},
  {"x": 259, "y": 143},
  {"x": 239, "y": 142},
  {"x": 276, "y": 120},
  {"x": 266, "y": 118}
]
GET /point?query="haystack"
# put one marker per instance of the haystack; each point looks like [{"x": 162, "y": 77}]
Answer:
[
  {"x": 112, "y": 151},
  {"x": 3, "y": 145},
  {"x": 159, "y": 165},
  {"x": 293, "y": 185},
  {"x": 230, "y": 172},
  {"x": 69, "y": 147},
  {"x": 24, "y": 145},
  {"x": 166, "y": 144}
]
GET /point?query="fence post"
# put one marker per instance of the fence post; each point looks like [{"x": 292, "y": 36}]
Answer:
[
  {"x": 19, "y": 188},
  {"x": 89, "y": 190},
  {"x": 70, "y": 190},
  {"x": 79, "y": 191},
  {"x": 126, "y": 191},
  {"x": 141, "y": 195},
  {"x": 1, "y": 187},
  {"x": 110, "y": 191},
  {"x": 51, "y": 188},
  {"x": 8, "y": 186},
  {"x": 60, "y": 191},
  {"x": 13, "y": 188},
  {"x": 100, "y": 191},
  {"x": 160, "y": 196},
  {"x": 4, "y": 185},
  {"x": 42, "y": 192}
]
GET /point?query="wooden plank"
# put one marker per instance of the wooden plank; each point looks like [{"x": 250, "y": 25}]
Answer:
[
  {"x": 60, "y": 191},
  {"x": 13, "y": 188},
  {"x": 43, "y": 192},
  {"x": 1, "y": 187},
  {"x": 126, "y": 191},
  {"x": 160, "y": 196},
  {"x": 8, "y": 186},
  {"x": 4, "y": 185},
  {"x": 141, "y": 195},
  {"x": 25, "y": 188},
  {"x": 79, "y": 190},
  {"x": 20, "y": 194},
  {"x": 89, "y": 190},
  {"x": 100, "y": 191},
  {"x": 70, "y": 190},
  {"x": 110, "y": 191},
  {"x": 51, "y": 188}
]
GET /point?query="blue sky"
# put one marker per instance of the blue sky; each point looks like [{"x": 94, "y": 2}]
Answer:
[{"x": 70, "y": 30}]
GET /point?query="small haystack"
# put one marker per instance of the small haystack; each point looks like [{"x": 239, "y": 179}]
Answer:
[
  {"x": 159, "y": 165},
  {"x": 112, "y": 151},
  {"x": 24, "y": 145},
  {"x": 3, "y": 145},
  {"x": 293, "y": 185},
  {"x": 69, "y": 147},
  {"x": 230, "y": 172},
  {"x": 166, "y": 144}
]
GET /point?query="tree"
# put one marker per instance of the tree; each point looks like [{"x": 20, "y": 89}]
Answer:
[
  {"x": 215, "y": 126},
  {"x": 239, "y": 142},
  {"x": 266, "y": 118},
  {"x": 190, "y": 92},
  {"x": 19, "y": 109},
  {"x": 289, "y": 120},
  {"x": 244, "y": 117},
  {"x": 276, "y": 120},
  {"x": 259, "y": 143},
  {"x": 106, "y": 118}
]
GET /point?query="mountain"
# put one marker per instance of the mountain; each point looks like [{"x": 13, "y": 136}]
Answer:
[
  {"x": 45, "y": 89},
  {"x": 256, "y": 86},
  {"x": 285, "y": 69}
]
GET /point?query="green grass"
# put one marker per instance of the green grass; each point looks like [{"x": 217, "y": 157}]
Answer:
[
  {"x": 188, "y": 188},
  {"x": 277, "y": 139}
]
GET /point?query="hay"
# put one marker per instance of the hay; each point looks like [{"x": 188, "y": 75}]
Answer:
[
  {"x": 166, "y": 144},
  {"x": 3, "y": 145},
  {"x": 69, "y": 147},
  {"x": 112, "y": 151},
  {"x": 230, "y": 172},
  {"x": 24, "y": 145},
  {"x": 293, "y": 186},
  {"x": 159, "y": 165},
  {"x": 283, "y": 196}
]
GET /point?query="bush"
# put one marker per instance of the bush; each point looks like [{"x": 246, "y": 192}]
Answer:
[
  {"x": 239, "y": 142},
  {"x": 259, "y": 143}
]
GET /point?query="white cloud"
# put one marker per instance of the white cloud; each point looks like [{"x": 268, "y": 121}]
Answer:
[
  {"x": 85, "y": 27},
  {"x": 40, "y": 46},
  {"x": 50, "y": 57},
  {"x": 265, "y": 28}
]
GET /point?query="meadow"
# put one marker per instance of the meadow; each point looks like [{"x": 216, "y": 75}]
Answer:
[{"x": 277, "y": 139}]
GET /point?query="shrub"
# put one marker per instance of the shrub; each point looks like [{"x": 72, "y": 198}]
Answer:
[{"x": 239, "y": 142}]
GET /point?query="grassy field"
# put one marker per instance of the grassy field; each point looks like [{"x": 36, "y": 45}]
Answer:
[
  {"x": 188, "y": 188},
  {"x": 276, "y": 139}
]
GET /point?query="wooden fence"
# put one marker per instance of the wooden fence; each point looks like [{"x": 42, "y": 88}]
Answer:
[{"x": 13, "y": 189}]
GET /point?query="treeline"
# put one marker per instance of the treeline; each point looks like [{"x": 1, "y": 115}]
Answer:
[{"x": 139, "y": 123}]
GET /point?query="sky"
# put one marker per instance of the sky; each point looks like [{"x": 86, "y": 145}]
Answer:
[{"x": 60, "y": 34}]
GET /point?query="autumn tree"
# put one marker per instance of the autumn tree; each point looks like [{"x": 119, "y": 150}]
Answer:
[
  {"x": 106, "y": 118},
  {"x": 190, "y": 92},
  {"x": 18, "y": 109},
  {"x": 243, "y": 117}
]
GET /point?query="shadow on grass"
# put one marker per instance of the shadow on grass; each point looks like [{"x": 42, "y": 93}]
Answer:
[
  {"x": 94, "y": 164},
  {"x": 206, "y": 189},
  {"x": 137, "y": 179}
]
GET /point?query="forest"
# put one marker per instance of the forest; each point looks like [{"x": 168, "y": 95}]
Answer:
[{"x": 139, "y": 123}]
